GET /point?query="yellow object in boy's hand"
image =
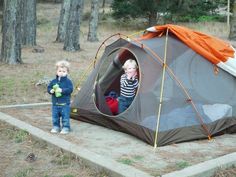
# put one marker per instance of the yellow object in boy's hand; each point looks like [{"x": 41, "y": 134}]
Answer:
[{"x": 57, "y": 90}]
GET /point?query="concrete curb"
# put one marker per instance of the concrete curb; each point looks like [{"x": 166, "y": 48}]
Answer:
[
  {"x": 207, "y": 168},
  {"x": 91, "y": 159},
  {"x": 25, "y": 105}
]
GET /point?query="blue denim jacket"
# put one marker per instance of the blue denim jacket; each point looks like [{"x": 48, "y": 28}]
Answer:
[{"x": 67, "y": 88}]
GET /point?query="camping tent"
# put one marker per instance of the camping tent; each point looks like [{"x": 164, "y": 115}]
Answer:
[{"x": 187, "y": 86}]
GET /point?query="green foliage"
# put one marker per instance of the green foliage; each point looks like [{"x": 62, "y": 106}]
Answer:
[
  {"x": 192, "y": 11},
  {"x": 123, "y": 9},
  {"x": 171, "y": 11},
  {"x": 205, "y": 18}
]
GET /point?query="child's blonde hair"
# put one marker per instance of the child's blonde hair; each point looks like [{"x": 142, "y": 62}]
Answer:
[
  {"x": 130, "y": 62},
  {"x": 63, "y": 64}
]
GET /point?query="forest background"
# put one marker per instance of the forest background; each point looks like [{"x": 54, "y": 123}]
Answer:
[{"x": 36, "y": 34}]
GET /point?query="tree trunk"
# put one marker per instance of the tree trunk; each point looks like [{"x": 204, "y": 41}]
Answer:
[
  {"x": 93, "y": 22},
  {"x": 81, "y": 10},
  {"x": 1, "y": 4},
  {"x": 64, "y": 18},
  {"x": 11, "y": 36},
  {"x": 103, "y": 6},
  {"x": 71, "y": 42},
  {"x": 29, "y": 21},
  {"x": 152, "y": 18},
  {"x": 232, "y": 34},
  {"x": 3, "y": 9}
]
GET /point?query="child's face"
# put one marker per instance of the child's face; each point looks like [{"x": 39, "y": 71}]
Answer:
[
  {"x": 62, "y": 71},
  {"x": 131, "y": 69}
]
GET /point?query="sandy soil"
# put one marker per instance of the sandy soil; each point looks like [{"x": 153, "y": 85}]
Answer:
[{"x": 24, "y": 156}]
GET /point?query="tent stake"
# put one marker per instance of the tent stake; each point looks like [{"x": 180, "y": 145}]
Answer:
[{"x": 162, "y": 90}]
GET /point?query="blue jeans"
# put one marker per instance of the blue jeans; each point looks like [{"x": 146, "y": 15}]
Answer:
[
  {"x": 63, "y": 112},
  {"x": 124, "y": 103}
]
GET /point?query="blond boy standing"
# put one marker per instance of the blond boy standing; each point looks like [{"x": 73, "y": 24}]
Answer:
[{"x": 61, "y": 88}]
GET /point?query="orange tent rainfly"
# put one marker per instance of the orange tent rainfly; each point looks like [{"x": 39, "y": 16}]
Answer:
[{"x": 217, "y": 51}]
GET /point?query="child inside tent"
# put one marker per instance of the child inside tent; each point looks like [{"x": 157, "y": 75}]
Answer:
[{"x": 128, "y": 84}]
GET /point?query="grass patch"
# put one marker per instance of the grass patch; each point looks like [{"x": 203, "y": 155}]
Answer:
[
  {"x": 138, "y": 157},
  {"x": 182, "y": 164},
  {"x": 130, "y": 160},
  {"x": 126, "y": 161},
  {"x": 68, "y": 176},
  {"x": 24, "y": 172},
  {"x": 17, "y": 135},
  {"x": 43, "y": 21},
  {"x": 18, "y": 90},
  {"x": 21, "y": 136},
  {"x": 40, "y": 144},
  {"x": 63, "y": 158},
  {"x": 47, "y": 27},
  {"x": 18, "y": 152},
  {"x": 7, "y": 86}
]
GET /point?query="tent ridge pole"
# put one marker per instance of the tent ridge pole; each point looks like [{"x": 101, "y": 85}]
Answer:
[{"x": 162, "y": 90}]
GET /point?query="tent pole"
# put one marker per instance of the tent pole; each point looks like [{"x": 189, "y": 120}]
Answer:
[{"x": 162, "y": 90}]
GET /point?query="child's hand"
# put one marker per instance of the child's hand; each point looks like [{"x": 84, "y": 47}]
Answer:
[
  {"x": 52, "y": 91},
  {"x": 129, "y": 75},
  {"x": 134, "y": 76},
  {"x": 59, "y": 90}
]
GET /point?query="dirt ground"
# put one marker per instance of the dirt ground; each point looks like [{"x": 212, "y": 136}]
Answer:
[{"x": 24, "y": 156}]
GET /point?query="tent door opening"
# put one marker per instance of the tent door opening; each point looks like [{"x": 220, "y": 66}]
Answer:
[{"x": 107, "y": 86}]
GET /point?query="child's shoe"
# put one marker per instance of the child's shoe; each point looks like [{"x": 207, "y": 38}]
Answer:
[
  {"x": 64, "y": 131},
  {"x": 54, "y": 130}
]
